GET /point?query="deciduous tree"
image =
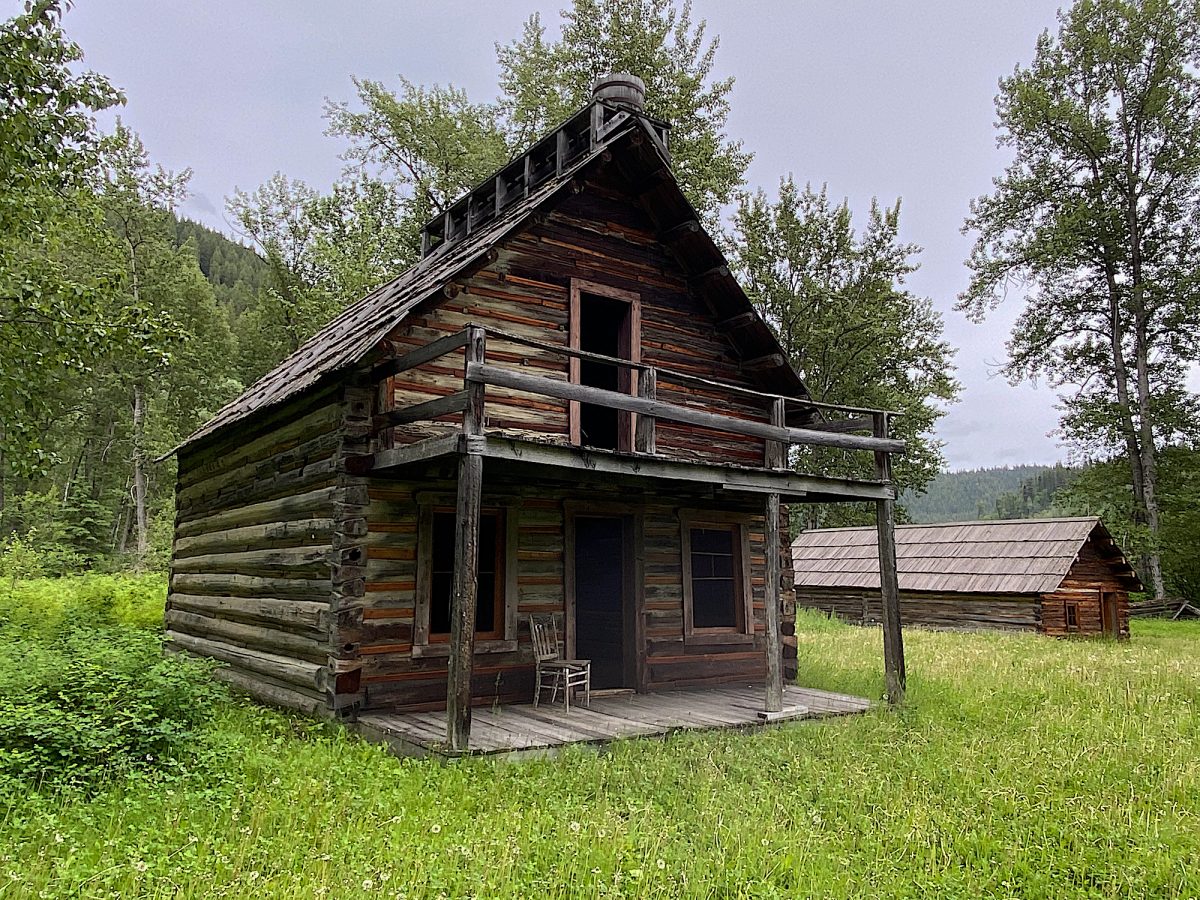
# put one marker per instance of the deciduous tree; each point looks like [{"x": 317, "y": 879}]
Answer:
[{"x": 1095, "y": 223}]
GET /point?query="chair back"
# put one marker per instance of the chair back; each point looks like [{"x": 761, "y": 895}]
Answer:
[{"x": 545, "y": 638}]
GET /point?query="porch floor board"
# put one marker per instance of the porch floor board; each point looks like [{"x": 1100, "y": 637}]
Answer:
[{"x": 522, "y": 729}]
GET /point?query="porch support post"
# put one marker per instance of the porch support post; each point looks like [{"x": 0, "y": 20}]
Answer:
[
  {"x": 885, "y": 521},
  {"x": 774, "y": 701},
  {"x": 465, "y": 584}
]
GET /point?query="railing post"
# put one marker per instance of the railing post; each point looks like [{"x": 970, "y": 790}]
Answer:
[
  {"x": 775, "y": 452},
  {"x": 644, "y": 440},
  {"x": 885, "y": 521},
  {"x": 465, "y": 584}
]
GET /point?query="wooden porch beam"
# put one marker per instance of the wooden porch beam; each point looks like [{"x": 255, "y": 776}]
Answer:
[
  {"x": 419, "y": 356},
  {"x": 774, "y": 698},
  {"x": 421, "y": 412},
  {"x": 885, "y": 522},
  {"x": 465, "y": 583}
]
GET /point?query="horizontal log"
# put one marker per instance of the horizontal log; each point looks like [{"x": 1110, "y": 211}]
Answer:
[
  {"x": 841, "y": 426},
  {"x": 285, "y": 459},
  {"x": 252, "y": 586},
  {"x": 272, "y": 694},
  {"x": 421, "y": 412},
  {"x": 310, "y": 477},
  {"x": 494, "y": 375},
  {"x": 420, "y": 356},
  {"x": 312, "y": 676},
  {"x": 292, "y": 614},
  {"x": 295, "y": 506},
  {"x": 287, "y": 560},
  {"x": 272, "y": 640},
  {"x": 257, "y": 537}
]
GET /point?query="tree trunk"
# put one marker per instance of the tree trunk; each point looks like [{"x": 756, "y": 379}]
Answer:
[
  {"x": 138, "y": 489},
  {"x": 1148, "y": 457}
]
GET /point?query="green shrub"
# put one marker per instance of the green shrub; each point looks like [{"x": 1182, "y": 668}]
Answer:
[
  {"x": 45, "y": 607},
  {"x": 92, "y": 703}
]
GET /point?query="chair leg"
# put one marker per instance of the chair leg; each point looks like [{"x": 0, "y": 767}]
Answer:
[
  {"x": 537, "y": 687},
  {"x": 567, "y": 691},
  {"x": 554, "y": 689},
  {"x": 587, "y": 687}
]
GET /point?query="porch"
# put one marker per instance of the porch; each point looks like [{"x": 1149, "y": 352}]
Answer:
[{"x": 521, "y": 729}]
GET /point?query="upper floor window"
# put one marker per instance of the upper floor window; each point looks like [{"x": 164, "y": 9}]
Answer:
[{"x": 605, "y": 321}]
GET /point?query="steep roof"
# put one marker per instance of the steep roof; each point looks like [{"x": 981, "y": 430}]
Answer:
[
  {"x": 1026, "y": 556},
  {"x": 358, "y": 330}
]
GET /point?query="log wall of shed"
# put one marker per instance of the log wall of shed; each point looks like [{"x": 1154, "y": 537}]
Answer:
[
  {"x": 1089, "y": 576},
  {"x": 396, "y": 677},
  {"x": 250, "y": 571},
  {"x": 601, "y": 235},
  {"x": 962, "y": 612}
]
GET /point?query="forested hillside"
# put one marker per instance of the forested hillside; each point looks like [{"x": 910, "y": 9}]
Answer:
[{"x": 967, "y": 495}]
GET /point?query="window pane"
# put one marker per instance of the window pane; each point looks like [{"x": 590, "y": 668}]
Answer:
[
  {"x": 442, "y": 570},
  {"x": 714, "y": 585}
]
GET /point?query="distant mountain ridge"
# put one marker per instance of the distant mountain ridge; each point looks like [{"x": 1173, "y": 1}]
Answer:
[{"x": 986, "y": 493}]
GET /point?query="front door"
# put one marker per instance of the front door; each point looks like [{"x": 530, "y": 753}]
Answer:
[
  {"x": 1109, "y": 614},
  {"x": 601, "y": 599}
]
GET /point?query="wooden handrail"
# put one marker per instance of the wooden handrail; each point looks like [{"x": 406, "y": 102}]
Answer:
[{"x": 482, "y": 373}]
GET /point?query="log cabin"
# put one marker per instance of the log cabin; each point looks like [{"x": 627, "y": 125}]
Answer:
[
  {"x": 1062, "y": 577},
  {"x": 567, "y": 407}
]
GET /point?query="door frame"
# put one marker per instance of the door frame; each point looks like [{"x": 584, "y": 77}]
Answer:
[
  {"x": 628, "y": 380},
  {"x": 633, "y": 592},
  {"x": 1110, "y": 614}
]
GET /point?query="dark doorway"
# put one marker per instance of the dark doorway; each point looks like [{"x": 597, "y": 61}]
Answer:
[
  {"x": 600, "y": 599},
  {"x": 1110, "y": 614},
  {"x": 604, "y": 325}
]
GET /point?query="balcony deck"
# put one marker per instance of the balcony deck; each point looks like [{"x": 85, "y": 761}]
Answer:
[{"x": 520, "y": 729}]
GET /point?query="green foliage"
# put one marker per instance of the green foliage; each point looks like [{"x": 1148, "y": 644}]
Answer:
[
  {"x": 45, "y": 608},
  {"x": 543, "y": 82},
  {"x": 837, "y": 303},
  {"x": 94, "y": 703},
  {"x": 86, "y": 694},
  {"x": 1098, "y": 219},
  {"x": 1021, "y": 767},
  {"x": 966, "y": 495},
  {"x": 1036, "y": 496}
]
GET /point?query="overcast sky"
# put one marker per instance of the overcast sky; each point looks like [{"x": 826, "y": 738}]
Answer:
[{"x": 874, "y": 99}]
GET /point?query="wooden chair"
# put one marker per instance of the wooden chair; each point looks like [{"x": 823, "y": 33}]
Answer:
[{"x": 554, "y": 672}]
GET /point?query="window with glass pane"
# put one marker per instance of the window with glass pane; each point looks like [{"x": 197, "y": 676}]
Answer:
[
  {"x": 714, "y": 577},
  {"x": 487, "y": 618}
]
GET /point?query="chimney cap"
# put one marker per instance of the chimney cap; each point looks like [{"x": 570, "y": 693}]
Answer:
[{"x": 620, "y": 87}]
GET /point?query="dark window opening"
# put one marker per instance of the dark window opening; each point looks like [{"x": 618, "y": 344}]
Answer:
[
  {"x": 604, "y": 329},
  {"x": 715, "y": 578},
  {"x": 489, "y": 619},
  {"x": 1072, "y": 617}
]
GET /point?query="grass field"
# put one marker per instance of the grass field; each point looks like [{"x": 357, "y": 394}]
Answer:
[{"x": 1021, "y": 767}]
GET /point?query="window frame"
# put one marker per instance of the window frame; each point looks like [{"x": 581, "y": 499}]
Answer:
[
  {"x": 1071, "y": 611},
  {"x": 743, "y": 630},
  {"x": 626, "y": 421},
  {"x": 502, "y": 639}
]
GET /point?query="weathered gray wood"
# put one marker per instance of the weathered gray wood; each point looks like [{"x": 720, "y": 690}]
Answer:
[
  {"x": 465, "y": 582},
  {"x": 644, "y": 434},
  {"x": 775, "y": 452},
  {"x": 257, "y": 537},
  {"x": 422, "y": 412},
  {"x": 296, "y": 506},
  {"x": 772, "y": 598},
  {"x": 284, "y": 560},
  {"x": 563, "y": 350},
  {"x": 411, "y": 453},
  {"x": 270, "y": 693},
  {"x": 534, "y": 384},
  {"x": 428, "y": 353},
  {"x": 224, "y": 585},
  {"x": 292, "y": 614},
  {"x": 885, "y": 521},
  {"x": 857, "y": 423},
  {"x": 293, "y": 671},
  {"x": 786, "y": 483},
  {"x": 272, "y": 640}
]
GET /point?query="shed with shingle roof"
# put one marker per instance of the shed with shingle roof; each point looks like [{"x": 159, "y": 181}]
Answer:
[{"x": 1058, "y": 576}]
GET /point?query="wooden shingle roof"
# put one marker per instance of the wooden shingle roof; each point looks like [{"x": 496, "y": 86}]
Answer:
[
  {"x": 1025, "y": 556},
  {"x": 357, "y": 332}
]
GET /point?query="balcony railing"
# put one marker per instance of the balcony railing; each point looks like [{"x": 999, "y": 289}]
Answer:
[{"x": 837, "y": 431}]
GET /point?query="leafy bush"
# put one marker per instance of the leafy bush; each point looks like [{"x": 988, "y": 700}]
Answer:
[
  {"x": 91, "y": 703},
  {"x": 46, "y": 607}
]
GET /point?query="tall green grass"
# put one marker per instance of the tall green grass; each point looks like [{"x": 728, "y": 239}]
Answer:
[{"x": 1021, "y": 767}]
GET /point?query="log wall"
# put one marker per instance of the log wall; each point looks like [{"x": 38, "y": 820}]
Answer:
[
  {"x": 250, "y": 572},
  {"x": 965, "y": 612},
  {"x": 1089, "y": 577},
  {"x": 395, "y": 676},
  {"x": 600, "y": 235}
]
